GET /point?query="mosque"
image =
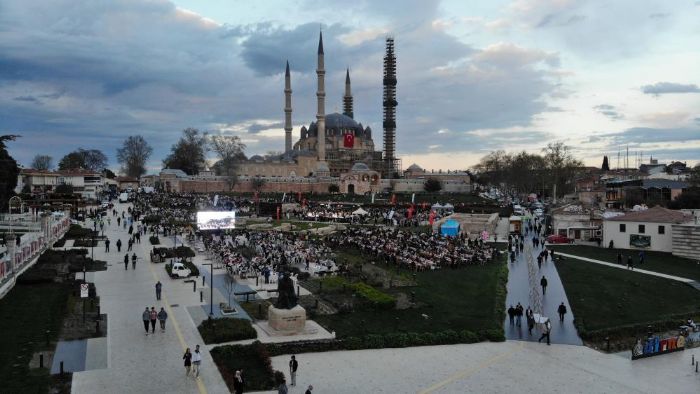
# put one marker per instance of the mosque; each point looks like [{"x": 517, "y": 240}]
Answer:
[{"x": 333, "y": 145}]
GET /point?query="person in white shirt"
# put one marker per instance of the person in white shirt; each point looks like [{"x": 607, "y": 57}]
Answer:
[{"x": 196, "y": 361}]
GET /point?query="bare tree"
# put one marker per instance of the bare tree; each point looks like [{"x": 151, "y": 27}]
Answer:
[
  {"x": 188, "y": 153},
  {"x": 133, "y": 156},
  {"x": 42, "y": 162},
  {"x": 229, "y": 149}
]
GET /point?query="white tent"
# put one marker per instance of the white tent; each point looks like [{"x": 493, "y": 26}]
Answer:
[
  {"x": 448, "y": 206},
  {"x": 437, "y": 206},
  {"x": 360, "y": 212}
]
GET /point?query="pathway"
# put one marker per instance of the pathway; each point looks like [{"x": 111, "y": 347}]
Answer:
[
  {"x": 507, "y": 367},
  {"x": 519, "y": 291},
  {"x": 690, "y": 282},
  {"x": 140, "y": 363}
]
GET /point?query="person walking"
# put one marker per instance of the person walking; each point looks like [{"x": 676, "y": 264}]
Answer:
[
  {"x": 154, "y": 317},
  {"x": 630, "y": 262},
  {"x": 126, "y": 261},
  {"x": 162, "y": 317},
  {"x": 543, "y": 283},
  {"x": 146, "y": 316},
  {"x": 619, "y": 258},
  {"x": 119, "y": 245},
  {"x": 561, "y": 311},
  {"x": 188, "y": 361},
  {"x": 293, "y": 365},
  {"x": 641, "y": 257},
  {"x": 282, "y": 388},
  {"x": 159, "y": 288},
  {"x": 546, "y": 332},
  {"x": 196, "y": 361},
  {"x": 238, "y": 382},
  {"x": 106, "y": 245},
  {"x": 511, "y": 314},
  {"x": 518, "y": 315},
  {"x": 133, "y": 260},
  {"x": 529, "y": 315},
  {"x": 119, "y": 221},
  {"x": 309, "y": 390},
  {"x": 130, "y": 244}
]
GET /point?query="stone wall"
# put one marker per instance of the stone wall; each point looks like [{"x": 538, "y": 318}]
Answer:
[
  {"x": 686, "y": 240},
  {"x": 304, "y": 185}
]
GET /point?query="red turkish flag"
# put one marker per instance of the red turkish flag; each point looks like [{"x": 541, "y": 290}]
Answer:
[{"x": 349, "y": 140}]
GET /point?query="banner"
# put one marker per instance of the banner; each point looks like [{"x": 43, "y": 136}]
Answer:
[{"x": 431, "y": 218}]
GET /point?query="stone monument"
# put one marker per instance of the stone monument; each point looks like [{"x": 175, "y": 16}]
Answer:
[{"x": 286, "y": 316}]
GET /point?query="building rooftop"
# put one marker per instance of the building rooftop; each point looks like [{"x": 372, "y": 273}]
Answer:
[{"x": 654, "y": 215}]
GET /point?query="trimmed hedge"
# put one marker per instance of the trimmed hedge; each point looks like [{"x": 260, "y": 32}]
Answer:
[
  {"x": 180, "y": 251},
  {"x": 226, "y": 330},
  {"x": 376, "y": 298},
  {"x": 60, "y": 243},
  {"x": 154, "y": 240},
  {"x": 254, "y": 359},
  {"x": 76, "y": 231}
]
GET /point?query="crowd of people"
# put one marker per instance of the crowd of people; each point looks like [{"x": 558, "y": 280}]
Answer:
[{"x": 415, "y": 251}]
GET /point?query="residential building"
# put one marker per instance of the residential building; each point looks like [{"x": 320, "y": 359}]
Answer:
[{"x": 649, "y": 229}]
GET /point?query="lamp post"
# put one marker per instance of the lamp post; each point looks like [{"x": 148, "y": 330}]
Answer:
[
  {"x": 92, "y": 244},
  {"x": 211, "y": 289}
]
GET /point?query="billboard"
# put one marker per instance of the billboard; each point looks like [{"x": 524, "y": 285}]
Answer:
[
  {"x": 640, "y": 241},
  {"x": 216, "y": 220}
]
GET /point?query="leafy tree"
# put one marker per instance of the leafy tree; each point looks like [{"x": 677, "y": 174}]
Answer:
[
  {"x": 42, "y": 162},
  {"x": 188, "y": 153},
  {"x": 694, "y": 178},
  {"x": 229, "y": 149},
  {"x": 562, "y": 167},
  {"x": 88, "y": 159},
  {"x": 258, "y": 183},
  {"x": 8, "y": 171},
  {"x": 109, "y": 174},
  {"x": 333, "y": 188},
  {"x": 133, "y": 156},
  {"x": 606, "y": 165},
  {"x": 689, "y": 199},
  {"x": 432, "y": 185}
]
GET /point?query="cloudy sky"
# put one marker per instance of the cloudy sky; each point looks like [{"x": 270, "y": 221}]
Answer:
[{"x": 473, "y": 76}]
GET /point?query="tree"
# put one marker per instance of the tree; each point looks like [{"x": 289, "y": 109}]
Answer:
[
  {"x": 606, "y": 165},
  {"x": 562, "y": 167},
  {"x": 333, "y": 188},
  {"x": 257, "y": 183},
  {"x": 689, "y": 199},
  {"x": 88, "y": 159},
  {"x": 109, "y": 174},
  {"x": 230, "y": 151},
  {"x": 432, "y": 185},
  {"x": 694, "y": 178},
  {"x": 133, "y": 156},
  {"x": 188, "y": 153},
  {"x": 8, "y": 171},
  {"x": 42, "y": 162}
]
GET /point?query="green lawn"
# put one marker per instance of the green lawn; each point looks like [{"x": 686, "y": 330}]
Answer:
[
  {"x": 25, "y": 315},
  {"x": 603, "y": 297},
  {"x": 462, "y": 299},
  {"x": 654, "y": 261}
]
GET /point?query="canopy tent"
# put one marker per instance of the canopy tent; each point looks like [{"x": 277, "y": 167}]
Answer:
[
  {"x": 437, "y": 206},
  {"x": 450, "y": 228},
  {"x": 448, "y": 206},
  {"x": 360, "y": 212}
]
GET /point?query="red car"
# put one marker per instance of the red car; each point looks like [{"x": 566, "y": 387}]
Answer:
[{"x": 558, "y": 239}]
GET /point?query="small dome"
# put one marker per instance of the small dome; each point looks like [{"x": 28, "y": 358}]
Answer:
[
  {"x": 257, "y": 158},
  {"x": 414, "y": 167},
  {"x": 359, "y": 166}
]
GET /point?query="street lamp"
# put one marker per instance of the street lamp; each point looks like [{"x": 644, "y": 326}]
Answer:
[
  {"x": 92, "y": 245},
  {"x": 211, "y": 289}
]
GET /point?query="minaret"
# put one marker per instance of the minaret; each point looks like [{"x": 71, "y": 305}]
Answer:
[
  {"x": 287, "y": 111},
  {"x": 389, "y": 109},
  {"x": 321, "y": 98},
  {"x": 347, "y": 98}
]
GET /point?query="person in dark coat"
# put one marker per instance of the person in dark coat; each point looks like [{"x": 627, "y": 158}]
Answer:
[
  {"x": 126, "y": 261},
  {"x": 238, "y": 382},
  {"x": 630, "y": 262},
  {"x": 511, "y": 314},
  {"x": 561, "y": 311},
  {"x": 619, "y": 258},
  {"x": 543, "y": 283},
  {"x": 106, "y": 245}
]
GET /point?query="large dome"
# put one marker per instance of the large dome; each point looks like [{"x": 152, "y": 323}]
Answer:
[{"x": 337, "y": 124}]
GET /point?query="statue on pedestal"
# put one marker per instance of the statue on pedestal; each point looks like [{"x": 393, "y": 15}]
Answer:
[{"x": 286, "y": 297}]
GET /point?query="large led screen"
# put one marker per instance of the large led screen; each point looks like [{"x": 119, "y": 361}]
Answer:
[{"x": 216, "y": 220}]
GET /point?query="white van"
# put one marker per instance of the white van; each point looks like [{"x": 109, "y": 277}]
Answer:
[
  {"x": 124, "y": 197},
  {"x": 180, "y": 271}
]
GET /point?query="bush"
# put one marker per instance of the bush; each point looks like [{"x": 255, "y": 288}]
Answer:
[
  {"x": 374, "y": 297},
  {"x": 76, "y": 231},
  {"x": 59, "y": 243},
  {"x": 254, "y": 359},
  {"x": 85, "y": 243},
  {"x": 226, "y": 330},
  {"x": 154, "y": 240},
  {"x": 180, "y": 251}
]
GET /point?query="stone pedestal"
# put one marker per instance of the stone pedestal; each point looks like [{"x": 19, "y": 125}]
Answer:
[{"x": 287, "y": 320}]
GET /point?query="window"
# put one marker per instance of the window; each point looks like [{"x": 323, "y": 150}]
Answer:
[
  {"x": 641, "y": 229},
  {"x": 662, "y": 229},
  {"x": 623, "y": 227}
]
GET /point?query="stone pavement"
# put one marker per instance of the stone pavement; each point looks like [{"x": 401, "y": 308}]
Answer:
[
  {"x": 690, "y": 282},
  {"x": 519, "y": 291},
  {"x": 139, "y": 363},
  {"x": 507, "y": 367}
]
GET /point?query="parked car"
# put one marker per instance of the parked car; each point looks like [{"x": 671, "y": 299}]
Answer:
[
  {"x": 180, "y": 271},
  {"x": 558, "y": 239}
]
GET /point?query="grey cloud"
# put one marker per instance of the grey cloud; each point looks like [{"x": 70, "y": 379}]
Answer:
[
  {"x": 258, "y": 127},
  {"x": 610, "y": 111},
  {"x": 559, "y": 20},
  {"x": 30, "y": 99},
  {"x": 660, "y": 88},
  {"x": 638, "y": 135},
  {"x": 659, "y": 15}
]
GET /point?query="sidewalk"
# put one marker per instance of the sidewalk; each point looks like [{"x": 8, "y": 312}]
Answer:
[
  {"x": 519, "y": 291},
  {"x": 139, "y": 363},
  {"x": 690, "y": 282}
]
